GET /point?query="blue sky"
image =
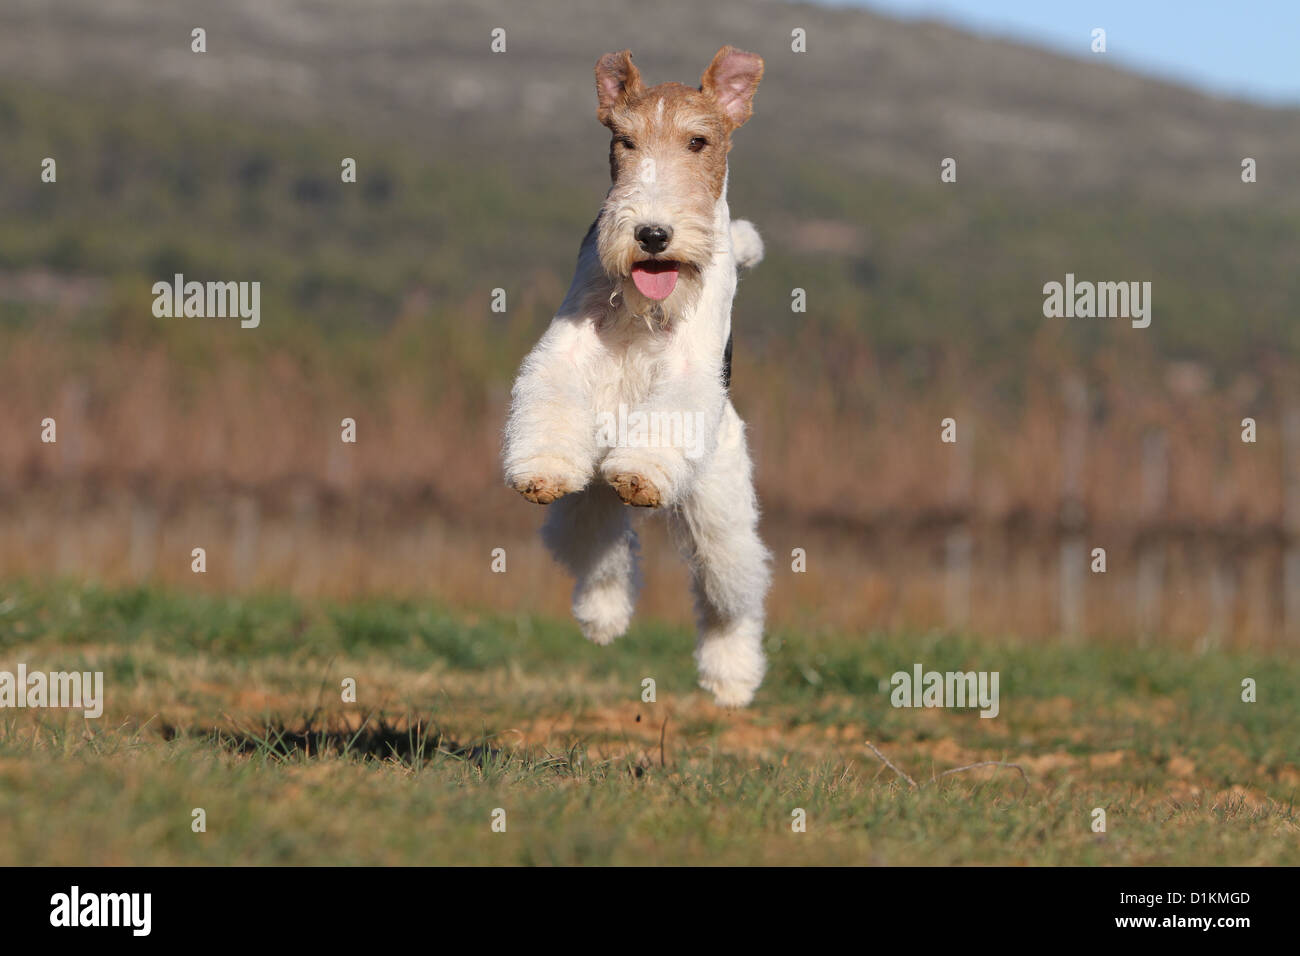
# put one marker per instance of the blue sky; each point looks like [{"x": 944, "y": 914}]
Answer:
[{"x": 1239, "y": 48}]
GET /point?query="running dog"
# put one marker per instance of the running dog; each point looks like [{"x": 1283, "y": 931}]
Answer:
[{"x": 624, "y": 401}]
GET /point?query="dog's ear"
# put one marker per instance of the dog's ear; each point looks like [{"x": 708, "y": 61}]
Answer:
[
  {"x": 616, "y": 80},
  {"x": 731, "y": 79}
]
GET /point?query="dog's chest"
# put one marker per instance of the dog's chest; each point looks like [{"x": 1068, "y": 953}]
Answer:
[{"x": 629, "y": 368}]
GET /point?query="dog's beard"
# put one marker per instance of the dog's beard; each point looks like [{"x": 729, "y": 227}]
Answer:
[
  {"x": 656, "y": 288},
  {"x": 616, "y": 300}
]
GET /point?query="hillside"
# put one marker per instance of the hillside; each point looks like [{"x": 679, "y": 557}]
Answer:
[
  {"x": 871, "y": 97},
  {"x": 480, "y": 170}
]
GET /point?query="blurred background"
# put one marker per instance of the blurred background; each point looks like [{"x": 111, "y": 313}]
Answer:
[{"x": 479, "y": 170}]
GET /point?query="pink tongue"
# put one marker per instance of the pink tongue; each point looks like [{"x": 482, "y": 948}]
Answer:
[{"x": 654, "y": 285}]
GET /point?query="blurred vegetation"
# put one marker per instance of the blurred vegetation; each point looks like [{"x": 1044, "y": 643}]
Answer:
[{"x": 145, "y": 191}]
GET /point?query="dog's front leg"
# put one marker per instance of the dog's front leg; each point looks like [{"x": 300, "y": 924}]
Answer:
[
  {"x": 550, "y": 442},
  {"x": 674, "y": 434}
]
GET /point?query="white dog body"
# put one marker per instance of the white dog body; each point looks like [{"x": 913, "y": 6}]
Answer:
[{"x": 642, "y": 336}]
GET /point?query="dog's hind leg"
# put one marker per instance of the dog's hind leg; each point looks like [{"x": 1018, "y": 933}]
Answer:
[
  {"x": 589, "y": 534},
  {"x": 717, "y": 529}
]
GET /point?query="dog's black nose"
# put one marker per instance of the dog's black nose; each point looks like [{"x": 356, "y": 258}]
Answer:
[{"x": 653, "y": 238}]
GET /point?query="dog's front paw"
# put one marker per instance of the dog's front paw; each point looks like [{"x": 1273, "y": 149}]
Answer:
[
  {"x": 545, "y": 481},
  {"x": 642, "y": 480},
  {"x": 543, "y": 490},
  {"x": 635, "y": 490}
]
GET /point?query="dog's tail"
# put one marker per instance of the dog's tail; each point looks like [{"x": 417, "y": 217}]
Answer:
[{"x": 746, "y": 243}]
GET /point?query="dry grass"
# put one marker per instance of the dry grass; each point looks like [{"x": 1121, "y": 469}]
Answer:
[{"x": 241, "y": 454}]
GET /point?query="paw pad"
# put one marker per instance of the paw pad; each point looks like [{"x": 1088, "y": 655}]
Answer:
[
  {"x": 541, "y": 490},
  {"x": 636, "y": 490}
]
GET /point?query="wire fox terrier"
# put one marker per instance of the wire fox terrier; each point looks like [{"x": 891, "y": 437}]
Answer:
[{"x": 624, "y": 400}]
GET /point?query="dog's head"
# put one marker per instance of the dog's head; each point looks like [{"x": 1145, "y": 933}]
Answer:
[{"x": 668, "y": 162}]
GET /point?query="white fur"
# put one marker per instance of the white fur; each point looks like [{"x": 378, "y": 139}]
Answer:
[
  {"x": 665, "y": 358},
  {"x": 746, "y": 243}
]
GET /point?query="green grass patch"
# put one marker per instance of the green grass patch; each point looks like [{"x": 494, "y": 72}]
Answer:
[{"x": 235, "y": 706}]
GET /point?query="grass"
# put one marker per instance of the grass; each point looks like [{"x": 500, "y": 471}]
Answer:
[{"x": 234, "y": 706}]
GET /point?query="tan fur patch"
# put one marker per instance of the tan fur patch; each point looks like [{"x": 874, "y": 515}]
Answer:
[{"x": 636, "y": 490}]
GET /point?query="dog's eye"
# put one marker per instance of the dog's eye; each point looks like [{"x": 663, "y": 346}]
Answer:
[
  {"x": 625, "y": 142},
  {"x": 697, "y": 143}
]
